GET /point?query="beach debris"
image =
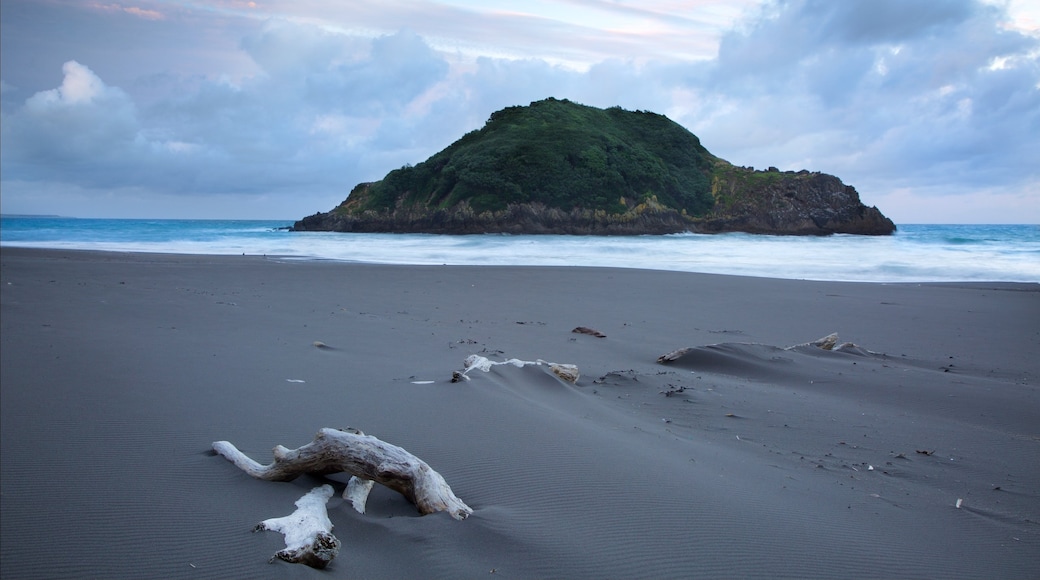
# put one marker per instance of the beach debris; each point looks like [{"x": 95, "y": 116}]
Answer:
[
  {"x": 565, "y": 372},
  {"x": 826, "y": 343},
  {"x": 830, "y": 342},
  {"x": 673, "y": 390},
  {"x": 925, "y": 452},
  {"x": 619, "y": 377},
  {"x": 958, "y": 504},
  {"x": 589, "y": 331},
  {"x": 364, "y": 457},
  {"x": 674, "y": 355},
  {"x": 307, "y": 531},
  {"x": 321, "y": 345},
  {"x": 461, "y": 341},
  {"x": 357, "y": 492}
]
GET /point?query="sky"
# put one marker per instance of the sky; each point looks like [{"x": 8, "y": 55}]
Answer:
[{"x": 276, "y": 109}]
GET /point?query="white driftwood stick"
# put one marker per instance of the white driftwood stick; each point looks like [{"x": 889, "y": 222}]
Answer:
[
  {"x": 362, "y": 456},
  {"x": 357, "y": 492},
  {"x": 565, "y": 372},
  {"x": 307, "y": 531}
]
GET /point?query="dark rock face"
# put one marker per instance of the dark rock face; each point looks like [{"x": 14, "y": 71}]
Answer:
[
  {"x": 561, "y": 168},
  {"x": 533, "y": 218},
  {"x": 787, "y": 203},
  {"x": 790, "y": 203}
]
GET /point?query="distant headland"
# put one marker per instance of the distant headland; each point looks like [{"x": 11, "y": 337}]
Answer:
[{"x": 558, "y": 167}]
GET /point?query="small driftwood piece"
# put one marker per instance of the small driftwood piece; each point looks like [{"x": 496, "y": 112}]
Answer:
[
  {"x": 357, "y": 492},
  {"x": 589, "y": 331},
  {"x": 830, "y": 342},
  {"x": 364, "y": 457},
  {"x": 565, "y": 372},
  {"x": 826, "y": 343},
  {"x": 674, "y": 355},
  {"x": 307, "y": 531}
]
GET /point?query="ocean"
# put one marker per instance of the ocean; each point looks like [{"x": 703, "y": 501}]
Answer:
[{"x": 916, "y": 253}]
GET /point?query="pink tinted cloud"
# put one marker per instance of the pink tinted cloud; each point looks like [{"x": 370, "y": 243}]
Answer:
[{"x": 144, "y": 13}]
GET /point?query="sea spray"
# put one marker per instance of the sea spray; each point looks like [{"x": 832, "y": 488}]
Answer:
[{"x": 915, "y": 253}]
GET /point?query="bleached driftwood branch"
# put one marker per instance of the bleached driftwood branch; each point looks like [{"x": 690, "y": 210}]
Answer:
[
  {"x": 565, "y": 372},
  {"x": 357, "y": 492},
  {"x": 307, "y": 531},
  {"x": 364, "y": 457}
]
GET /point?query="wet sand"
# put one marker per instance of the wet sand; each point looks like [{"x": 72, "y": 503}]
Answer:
[{"x": 742, "y": 458}]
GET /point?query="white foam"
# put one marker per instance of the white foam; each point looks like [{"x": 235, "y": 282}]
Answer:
[{"x": 918, "y": 254}]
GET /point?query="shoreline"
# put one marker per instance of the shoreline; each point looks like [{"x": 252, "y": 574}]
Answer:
[
  {"x": 340, "y": 260},
  {"x": 921, "y": 254},
  {"x": 742, "y": 458},
  {"x": 130, "y": 256}
]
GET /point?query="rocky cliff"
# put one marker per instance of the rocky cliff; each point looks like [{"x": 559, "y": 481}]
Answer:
[
  {"x": 557, "y": 167},
  {"x": 788, "y": 202}
]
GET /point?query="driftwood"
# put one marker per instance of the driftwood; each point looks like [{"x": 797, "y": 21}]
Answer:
[
  {"x": 364, "y": 457},
  {"x": 565, "y": 372},
  {"x": 357, "y": 492},
  {"x": 826, "y": 343},
  {"x": 830, "y": 342},
  {"x": 589, "y": 331},
  {"x": 674, "y": 355},
  {"x": 307, "y": 531}
]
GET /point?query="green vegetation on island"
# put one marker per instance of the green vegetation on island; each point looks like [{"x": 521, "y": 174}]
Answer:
[
  {"x": 559, "y": 167},
  {"x": 562, "y": 155}
]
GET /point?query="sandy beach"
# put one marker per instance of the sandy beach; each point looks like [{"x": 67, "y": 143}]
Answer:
[{"x": 913, "y": 454}]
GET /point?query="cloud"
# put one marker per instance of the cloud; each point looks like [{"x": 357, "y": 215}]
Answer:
[
  {"x": 323, "y": 104},
  {"x": 885, "y": 94},
  {"x": 78, "y": 124},
  {"x": 571, "y": 33},
  {"x": 80, "y": 86},
  {"x": 137, "y": 11},
  {"x": 907, "y": 101}
]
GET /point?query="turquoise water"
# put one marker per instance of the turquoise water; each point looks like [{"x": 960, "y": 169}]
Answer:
[{"x": 916, "y": 253}]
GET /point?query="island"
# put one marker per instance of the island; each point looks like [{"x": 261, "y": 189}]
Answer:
[{"x": 559, "y": 167}]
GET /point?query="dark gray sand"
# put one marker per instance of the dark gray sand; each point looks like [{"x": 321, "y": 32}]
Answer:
[{"x": 740, "y": 459}]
